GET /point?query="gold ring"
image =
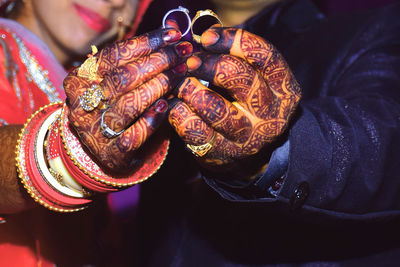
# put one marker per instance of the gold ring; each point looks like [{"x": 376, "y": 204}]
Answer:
[
  {"x": 201, "y": 150},
  {"x": 89, "y": 67},
  {"x": 201, "y": 13},
  {"x": 92, "y": 98}
]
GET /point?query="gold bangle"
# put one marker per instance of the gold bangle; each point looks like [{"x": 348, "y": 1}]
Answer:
[
  {"x": 201, "y": 13},
  {"x": 75, "y": 152}
]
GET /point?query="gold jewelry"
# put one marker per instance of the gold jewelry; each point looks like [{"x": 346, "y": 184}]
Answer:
[
  {"x": 92, "y": 98},
  {"x": 121, "y": 28},
  {"x": 89, "y": 67},
  {"x": 201, "y": 150},
  {"x": 201, "y": 13},
  {"x": 58, "y": 176}
]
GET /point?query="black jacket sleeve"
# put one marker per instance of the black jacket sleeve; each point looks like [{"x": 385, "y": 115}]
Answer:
[{"x": 344, "y": 156}]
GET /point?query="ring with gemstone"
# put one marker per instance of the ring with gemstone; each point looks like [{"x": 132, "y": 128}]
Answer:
[
  {"x": 91, "y": 98},
  {"x": 107, "y": 131},
  {"x": 179, "y": 9}
]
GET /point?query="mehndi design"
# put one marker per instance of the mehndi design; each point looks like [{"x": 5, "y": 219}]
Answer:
[{"x": 259, "y": 80}]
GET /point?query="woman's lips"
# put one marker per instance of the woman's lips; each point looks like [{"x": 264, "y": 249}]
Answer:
[{"x": 92, "y": 19}]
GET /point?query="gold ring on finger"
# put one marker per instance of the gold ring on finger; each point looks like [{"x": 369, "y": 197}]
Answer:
[
  {"x": 89, "y": 67},
  {"x": 201, "y": 150},
  {"x": 201, "y": 13}
]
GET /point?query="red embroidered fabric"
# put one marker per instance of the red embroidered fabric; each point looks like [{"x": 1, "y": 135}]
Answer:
[{"x": 31, "y": 77}]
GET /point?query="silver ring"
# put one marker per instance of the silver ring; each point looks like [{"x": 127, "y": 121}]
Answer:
[
  {"x": 204, "y": 82},
  {"x": 107, "y": 131},
  {"x": 179, "y": 9}
]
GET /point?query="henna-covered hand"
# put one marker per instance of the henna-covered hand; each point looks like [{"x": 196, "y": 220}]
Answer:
[
  {"x": 135, "y": 74},
  {"x": 252, "y": 72}
]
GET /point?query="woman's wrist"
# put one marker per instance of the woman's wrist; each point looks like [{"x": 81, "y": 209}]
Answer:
[
  {"x": 33, "y": 169},
  {"x": 56, "y": 170}
]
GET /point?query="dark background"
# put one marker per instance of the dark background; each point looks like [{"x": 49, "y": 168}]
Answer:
[{"x": 158, "y": 8}]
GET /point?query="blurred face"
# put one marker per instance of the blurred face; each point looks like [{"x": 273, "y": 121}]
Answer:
[
  {"x": 71, "y": 26},
  {"x": 243, "y": 3},
  {"x": 234, "y": 12}
]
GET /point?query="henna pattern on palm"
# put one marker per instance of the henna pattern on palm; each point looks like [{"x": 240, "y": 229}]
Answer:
[
  {"x": 255, "y": 74},
  {"x": 136, "y": 74}
]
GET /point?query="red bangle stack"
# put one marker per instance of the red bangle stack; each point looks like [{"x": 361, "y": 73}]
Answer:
[
  {"x": 30, "y": 160},
  {"x": 153, "y": 159},
  {"x": 65, "y": 186}
]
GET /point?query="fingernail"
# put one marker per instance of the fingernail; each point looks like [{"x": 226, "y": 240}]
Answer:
[
  {"x": 171, "y": 36},
  {"x": 193, "y": 63},
  {"x": 161, "y": 106},
  {"x": 209, "y": 37},
  {"x": 184, "y": 49},
  {"x": 181, "y": 69},
  {"x": 172, "y": 23}
]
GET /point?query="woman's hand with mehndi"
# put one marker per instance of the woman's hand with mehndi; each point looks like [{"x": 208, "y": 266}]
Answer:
[{"x": 130, "y": 78}]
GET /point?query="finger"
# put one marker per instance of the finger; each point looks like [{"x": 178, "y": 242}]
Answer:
[
  {"x": 133, "y": 74},
  {"x": 194, "y": 131},
  {"x": 260, "y": 54},
  {"x": 126, "y": 51},
  {"x": 132, "y": 104},
  {"x": 235, "y": 75},
  {"x": 137, "y": 134},
  {"x": 216, "y": 111},
  {"x": 129, "y": 75}
]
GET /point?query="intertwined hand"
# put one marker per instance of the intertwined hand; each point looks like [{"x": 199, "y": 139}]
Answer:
[{"x": 260, "y": 93}]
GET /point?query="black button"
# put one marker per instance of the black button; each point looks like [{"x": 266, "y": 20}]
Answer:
[{"x": 300, "y": 195}]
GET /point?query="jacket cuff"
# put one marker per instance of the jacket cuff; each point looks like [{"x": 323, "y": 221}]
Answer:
[{"x": 267, "y": 185}]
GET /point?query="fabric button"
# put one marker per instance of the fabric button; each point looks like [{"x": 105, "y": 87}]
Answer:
[{"x": 300, "y": 195}]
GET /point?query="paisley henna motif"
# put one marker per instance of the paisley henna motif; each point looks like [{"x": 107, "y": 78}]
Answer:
[
  {"x": 136, "y": 74},
  {"x": 126, "y": 51},
  {"x": 256, "y": 75},
  {"x": 216, "y": 111}
]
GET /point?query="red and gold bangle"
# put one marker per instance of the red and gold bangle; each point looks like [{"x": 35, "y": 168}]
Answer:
[
  {"x": 154, "y": 157},
  {"x": 56, "y": 165},
  {"x": 55, "y": 169},
  {"x": 33, "y": 170}
]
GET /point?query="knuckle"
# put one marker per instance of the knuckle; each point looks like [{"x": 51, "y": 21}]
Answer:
[{"x": 188, "y": 86}]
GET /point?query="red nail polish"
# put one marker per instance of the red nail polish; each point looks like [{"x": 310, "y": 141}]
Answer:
[
  {"x": 184, "y": 49},
  {"x": 171, "y": 36},
  {"x": 161, "y": 106},
  {"x": 209, "y": 37},
  {"x": 180, "y": 69}
]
